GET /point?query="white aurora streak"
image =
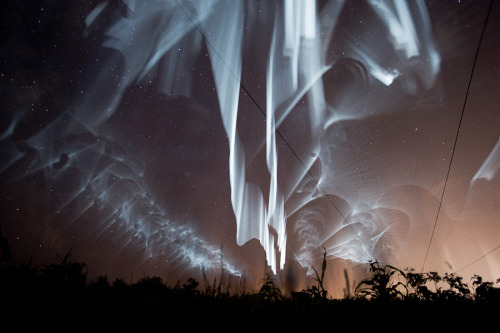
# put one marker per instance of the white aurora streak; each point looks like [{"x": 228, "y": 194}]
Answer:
[
  {"x": 162, "y": 41},
  {"x": 490, "y": 166},
  {"x": 150, "y": 35}
]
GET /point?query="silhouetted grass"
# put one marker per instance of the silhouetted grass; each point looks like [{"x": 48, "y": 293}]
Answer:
[{"x": 59, "y": 294}]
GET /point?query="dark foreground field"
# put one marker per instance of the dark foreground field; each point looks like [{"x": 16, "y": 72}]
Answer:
[{"x": 58, "y": 297}]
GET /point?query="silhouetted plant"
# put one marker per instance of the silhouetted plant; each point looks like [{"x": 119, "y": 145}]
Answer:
[
  {"x": 101, "y": 282},
  {"x": 485, "y": 291},
  {"x": 481, "y": 288},
  {"x": 149, "y": 283},
  {"x": 347, "y": 289},
  {"x": 268, "y": 290},
  {"x": 120, "y": 284},
  {"x": 319, "y": 290},
  {"x": 455, "y": 290},
  {"x": 381, "y": 285},
  {"x": 418, "y": 283},
  {"x": 64, "y": 276},
  {"x": 148, "y": 292},
  {"x": 458, "y": 290},
  {"x": 190, "y": 286},
  {"x": 100, "y": 287}
]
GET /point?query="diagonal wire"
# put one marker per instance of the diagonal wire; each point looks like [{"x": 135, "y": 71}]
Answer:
[
  {"x": 457, "y": 219},
  {"x": 458, "y": 131},
  {"x": 478, "y": 259},
  {"x": 264, "y": 113}
]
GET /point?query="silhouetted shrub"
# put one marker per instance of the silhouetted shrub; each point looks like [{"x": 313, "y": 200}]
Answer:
[
  {"x": 65, "y": 277},
  {"x": 382, "y": 285}
]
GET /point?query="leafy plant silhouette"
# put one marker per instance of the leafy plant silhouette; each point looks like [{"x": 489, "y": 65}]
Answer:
[
  {"x": 417, "y": 282},
  {"x": 484, "y": 290},
  {"x": 381, "y": 285},
  {"x": 66, "y": 276},
  {"x": 268, "y": 291},
  {"x": 319, "y": 291}
]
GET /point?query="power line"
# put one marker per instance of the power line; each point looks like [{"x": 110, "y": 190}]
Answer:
[
  {"x": 458, "y": 131},
  {"x": 264, "y": 113},
  {"x": 296, "y": 156},
  {"x": 481, "y": 257},
  {"x": 456, "y": 220}
]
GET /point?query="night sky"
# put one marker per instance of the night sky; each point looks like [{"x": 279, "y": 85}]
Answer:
[{"x": 200, "y": 138}]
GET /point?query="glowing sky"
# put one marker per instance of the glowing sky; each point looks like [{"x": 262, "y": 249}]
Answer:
[{"x": 171, "y": 138}]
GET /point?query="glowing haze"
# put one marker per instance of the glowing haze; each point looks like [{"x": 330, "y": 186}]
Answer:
[{"x": 193, "y": 137}]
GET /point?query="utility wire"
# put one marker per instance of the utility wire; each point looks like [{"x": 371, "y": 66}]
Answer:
[
  {"x": 458, "y": 131},
  {"x": 481, "y": 257},
  {"x": 296, "y": 155},
  {"x": 457, "y": 219},
  {"x": 264, "y": 113}
]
